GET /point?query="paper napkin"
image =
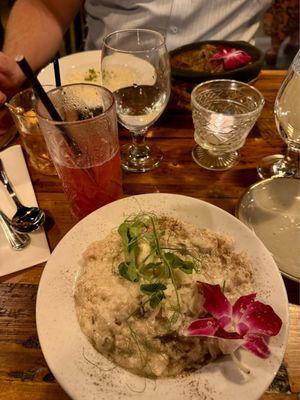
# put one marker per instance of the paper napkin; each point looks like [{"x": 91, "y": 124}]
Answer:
[{"x": 38, "y": 250}]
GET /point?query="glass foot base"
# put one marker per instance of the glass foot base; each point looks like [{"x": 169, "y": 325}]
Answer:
[
  {"x": 216, "y": 163},
  {"x": 275, "y": 165},
  {"x": 140, "y": 164}
]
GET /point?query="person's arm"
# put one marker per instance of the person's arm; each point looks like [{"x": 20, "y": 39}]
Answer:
[{"x": 35, "y": 29}]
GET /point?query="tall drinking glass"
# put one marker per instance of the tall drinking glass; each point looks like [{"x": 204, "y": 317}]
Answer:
[
  {"x": 287, "y": 117},
  {"x": 84, "y": 147},
  {"x": 135, "y": 67}
]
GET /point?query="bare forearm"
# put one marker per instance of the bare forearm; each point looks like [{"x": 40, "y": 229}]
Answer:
[{"x": 35, "y": 28}]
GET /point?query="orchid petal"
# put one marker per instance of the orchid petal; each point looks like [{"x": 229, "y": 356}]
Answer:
[
  {"x": 236, "y": 60},
  {"x": 203, "y": 327},
  {"x": 217, "y": 56},
  {"x": 216, "y": 303},
  {"x": 210, "y": 327},
  {"x": 239, "y": 308},
  {"x": 242, "y": 328},
  {"x": 260, "y": 318},
  {"x": 257, "y": 345},
  {"x": 241, "y": 305},
  {"x": 221, "y": 333},
  {"x": 232, "y": 58}
]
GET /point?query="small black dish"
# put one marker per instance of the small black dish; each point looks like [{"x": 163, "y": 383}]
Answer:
[{"x": 243, "y": 74}]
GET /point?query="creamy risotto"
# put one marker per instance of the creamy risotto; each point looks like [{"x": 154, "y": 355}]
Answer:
[{"x": 138, "y": 292}]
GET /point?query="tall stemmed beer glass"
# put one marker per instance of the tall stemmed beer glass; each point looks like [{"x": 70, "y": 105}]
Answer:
[
  {"x": 287, "y": 117},
  {"x": 135, "y": 67}
]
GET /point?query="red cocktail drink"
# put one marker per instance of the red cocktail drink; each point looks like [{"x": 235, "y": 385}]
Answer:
[
  {"x": 84, "y": 146},
  {"x": 93, "y": 187}
]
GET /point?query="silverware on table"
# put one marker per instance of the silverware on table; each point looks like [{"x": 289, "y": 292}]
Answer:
[
  {"x": 26, "y": 219},
  {"x": 18, "y": 241}
]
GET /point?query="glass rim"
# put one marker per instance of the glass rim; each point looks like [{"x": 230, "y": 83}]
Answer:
[
  {"x": 198, "y": 106},
  {"x": 18, "y": 95},
  {"x": 68, "y": 123},
  {"x": 27, "y": 90},
  {"x": 161, "y": 36}
]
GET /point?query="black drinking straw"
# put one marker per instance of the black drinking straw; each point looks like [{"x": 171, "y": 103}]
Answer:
[
  {"x": 56, "y": 72},
  {"x": 25, "y": 67}
]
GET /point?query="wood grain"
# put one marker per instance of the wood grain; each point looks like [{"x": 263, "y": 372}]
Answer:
[
  {"x": 24, "y": 374},
  {"x": 292, "y": 356}
]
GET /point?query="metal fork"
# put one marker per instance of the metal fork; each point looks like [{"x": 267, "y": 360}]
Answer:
[{"x": 18, "y": 241}]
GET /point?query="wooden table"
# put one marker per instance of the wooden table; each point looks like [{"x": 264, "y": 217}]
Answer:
[{"x": 24, "y": 374}]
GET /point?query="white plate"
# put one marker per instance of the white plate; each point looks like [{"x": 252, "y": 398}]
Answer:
[
  {"x": 66, "y": 349},
  {"x": 78, "y": 63},
  {"x": 271, "y": 208}
]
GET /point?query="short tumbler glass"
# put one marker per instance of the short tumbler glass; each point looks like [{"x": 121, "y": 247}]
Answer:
[
  {"x": 28, "y": 126},
  {"x": 224, "y": 111}
]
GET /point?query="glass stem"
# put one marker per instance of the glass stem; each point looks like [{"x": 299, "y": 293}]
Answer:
[
  {"x": 291, "y": 162},
  {"x": 139, "y": 148}
]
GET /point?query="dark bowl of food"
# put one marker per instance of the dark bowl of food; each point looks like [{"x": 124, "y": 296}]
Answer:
[
  {"x": 213, "y": 59},
  {"x": 216, "y": 59}
]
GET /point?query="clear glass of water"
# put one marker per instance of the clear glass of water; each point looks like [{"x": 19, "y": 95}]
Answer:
[
  {"x": 135, "y": 67},
  {"x": 287, "y": 117},
  {"x": 224, "y": 111}
]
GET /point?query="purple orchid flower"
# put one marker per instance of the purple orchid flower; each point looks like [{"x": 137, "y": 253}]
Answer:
[
  {"x": 247, "y": 321},
  {"x": 232, "y": 58}
]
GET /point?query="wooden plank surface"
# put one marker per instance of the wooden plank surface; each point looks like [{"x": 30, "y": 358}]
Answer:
[{"x": 23, "y": 371}]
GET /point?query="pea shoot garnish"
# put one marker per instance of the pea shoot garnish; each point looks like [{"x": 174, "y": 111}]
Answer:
[{"x": 149, "y": 262}]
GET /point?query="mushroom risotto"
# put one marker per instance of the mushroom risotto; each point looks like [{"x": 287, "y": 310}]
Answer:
[{"x": 137, "y": 292}]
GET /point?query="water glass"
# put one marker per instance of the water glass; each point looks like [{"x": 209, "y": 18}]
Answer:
[
  {"x": 84, "y": 146},
  {"x": 224, "y": 111},
  {"x": 135, "y": 67},
  {"x": 28, "y": 126}
]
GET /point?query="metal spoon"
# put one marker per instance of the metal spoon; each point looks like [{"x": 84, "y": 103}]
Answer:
[
  {"x": 26, "y": 219},
  {"x": 18, "y": 241}
]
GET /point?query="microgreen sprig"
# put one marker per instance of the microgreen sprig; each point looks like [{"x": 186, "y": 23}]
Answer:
[{"x": 158, "y": 266}]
